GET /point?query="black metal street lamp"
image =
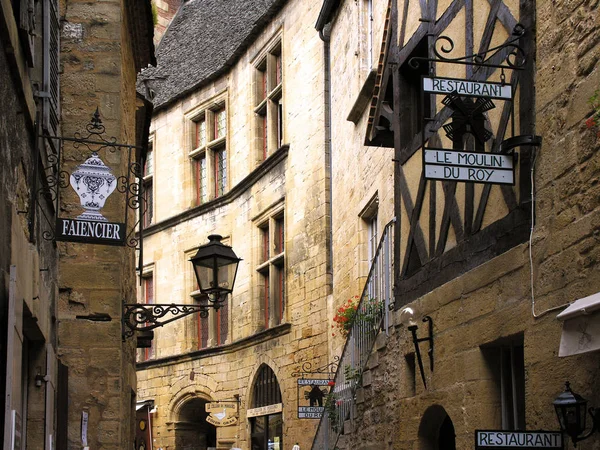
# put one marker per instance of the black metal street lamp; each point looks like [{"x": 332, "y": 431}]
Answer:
[
  {"x": 571, "y": 410},
  {"x": 215, "y": 266}
]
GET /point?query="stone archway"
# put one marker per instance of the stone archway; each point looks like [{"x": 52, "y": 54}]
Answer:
[
  {"x": 436, "y": 430},
  {"x": 192, "y": 431}
]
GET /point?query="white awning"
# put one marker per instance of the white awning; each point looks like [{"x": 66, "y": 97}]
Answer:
[
  {"x": 581, "y": 327},
  {"x": 144, "y": 404},
  {"x": 581, "y": 307}
]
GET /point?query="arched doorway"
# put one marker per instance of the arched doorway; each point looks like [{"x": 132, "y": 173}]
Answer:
[
  {"x": 192, "y": 431},
  {"x": 266, "y": 419},
  {"x": 436, "y": 431}
]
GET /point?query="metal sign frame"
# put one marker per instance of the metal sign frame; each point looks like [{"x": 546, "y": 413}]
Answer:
[
  {"x": 507, "y": 56},
  {"x": 95, "y": 148},
  {"x": 327, "y": 374}
]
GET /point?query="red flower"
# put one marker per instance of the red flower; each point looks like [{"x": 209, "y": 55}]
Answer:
[{"x": 590, "y": 122}]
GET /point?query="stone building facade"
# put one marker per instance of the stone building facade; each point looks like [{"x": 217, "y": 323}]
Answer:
[
  {"x": 59, "y": 62},
  {"x": 237, "y": 142},
  {"x": 491, "y": 265}
]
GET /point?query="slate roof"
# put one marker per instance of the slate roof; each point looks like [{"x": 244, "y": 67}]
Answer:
[{"x": 205, "y": 38}]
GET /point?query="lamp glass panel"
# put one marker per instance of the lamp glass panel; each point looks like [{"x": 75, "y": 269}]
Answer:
[{"x": 205, "y": 276}]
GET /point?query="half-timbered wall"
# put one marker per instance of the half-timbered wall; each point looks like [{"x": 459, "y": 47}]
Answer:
[{"x": 444, "y": 227}]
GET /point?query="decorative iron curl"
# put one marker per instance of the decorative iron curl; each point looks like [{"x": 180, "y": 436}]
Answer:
[
  {"x": 132, "y": 240},
  {"x": 48, "y": 235},
  {"x": 444, "y": 45},
  {"x": 307, "y": 369},
  {"x": 136, "y": 169},
  {"x": 141, "y": 317},
  {"x": 122, "y": 184},
  {"x": 47, "y": 194},
  {"x": 64, "y": 179}
]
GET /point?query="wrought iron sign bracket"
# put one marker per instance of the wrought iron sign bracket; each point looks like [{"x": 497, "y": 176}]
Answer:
[
  {"x": 147, "y": 317},
  {"x": 93, "y": 181},
  {"x": 328, "y": 369},
  {"x": 515, "y": 59},
  {"x": 319, "y": 388}
]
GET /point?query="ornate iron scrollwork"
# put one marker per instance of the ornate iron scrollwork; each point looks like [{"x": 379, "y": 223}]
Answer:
[
  {"x": 515, "y": 57},
  {"x": 307, "y": 369},
  {"x": 91, "y": 178},
  {"x": 146, "y": 317}
]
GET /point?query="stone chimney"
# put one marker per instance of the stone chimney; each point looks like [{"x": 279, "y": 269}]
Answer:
[{"x": 166, "y": 9}]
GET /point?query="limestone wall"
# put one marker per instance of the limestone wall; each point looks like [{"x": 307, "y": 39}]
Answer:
[
  {"x": 294, "y": 179},
  {"x": 98, "y": 71},
  {"x": 493, "y": 302}
]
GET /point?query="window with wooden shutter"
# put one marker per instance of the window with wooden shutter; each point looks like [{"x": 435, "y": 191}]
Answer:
[
  {"x": 24, "y": 11},
  {"x": 51, "y": 111}
]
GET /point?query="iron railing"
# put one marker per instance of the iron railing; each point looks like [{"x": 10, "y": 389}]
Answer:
[{"x": 371, "y": 317}]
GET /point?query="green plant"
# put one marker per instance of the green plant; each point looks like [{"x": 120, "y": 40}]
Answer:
[
  {"x": 594, "y": 119},
  {"x": 154, "y": 14},
  {"x": 349, "y": 313},
  {"x": 370, "y": 313},
  {"x": 352, "y": 374},
  {"x": 331, "y": 410}
]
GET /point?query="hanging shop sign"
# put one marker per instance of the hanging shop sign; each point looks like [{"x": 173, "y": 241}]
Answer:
[
  {"x": 222, "y": 414},
  {"x": 502, "y": 439},
  {"x": 264, "y": 410},
  {"x": 465, "y": 110},
  {"x": 313, "y": 387},
  {"x": 467, "y": 88},
  {"x": 477, "y": 167},
  {"x": 94, "y": 184}
]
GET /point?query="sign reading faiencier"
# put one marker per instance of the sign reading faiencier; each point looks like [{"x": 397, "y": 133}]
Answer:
[
  {"x": 467, "y": 88},
  {"x": 486, "y": 439},
  {"x": 477, "y": 167},
  {"x": 90, "y": 231}
]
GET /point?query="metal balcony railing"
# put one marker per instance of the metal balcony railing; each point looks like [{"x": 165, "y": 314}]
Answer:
[{"x": 371, "y": 317}]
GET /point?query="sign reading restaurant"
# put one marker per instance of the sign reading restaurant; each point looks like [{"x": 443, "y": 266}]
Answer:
[
  {"x": 315, "y": 395},
  {"x": 467, "y": 88},
  {"x": 478, "y": 167},
  {"x": 499, "y": 440}
]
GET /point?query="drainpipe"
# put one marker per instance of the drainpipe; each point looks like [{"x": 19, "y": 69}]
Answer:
[{"x": 325, "y": 35}]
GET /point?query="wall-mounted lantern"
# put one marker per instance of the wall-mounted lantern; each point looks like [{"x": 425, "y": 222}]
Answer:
[
  {"x": 215, "y": 266},
  {"x": 408, "y": 318},
  {"x": 571, "y": 410}
]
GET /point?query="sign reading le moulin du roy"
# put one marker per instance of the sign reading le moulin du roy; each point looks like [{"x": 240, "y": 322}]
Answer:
[
  {"x": 478, "y": 167},
  {"x": 488, "y": 439},
  {"x": 467, "y": 88}
]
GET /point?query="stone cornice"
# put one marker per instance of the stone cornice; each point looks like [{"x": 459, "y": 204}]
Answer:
[
  {"x": 272, "y": 161},
  {"x": 241, "y": 344}
]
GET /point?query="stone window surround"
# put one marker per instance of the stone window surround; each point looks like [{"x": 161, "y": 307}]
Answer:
[
  {"x": 148, "y": 183},
  {"x": 148, "y": 272},
  {"x": 267, "y": 79},
  {"x": 272, "y": 267},
  {"x": 209, "y": 150}
]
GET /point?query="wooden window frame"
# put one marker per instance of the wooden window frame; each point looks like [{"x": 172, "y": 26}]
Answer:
[
  {"x": 271, "y": 267},
  {"x": 268, "y": 100},
  {"x": 148, "y": 187},
  {"x": 216, "y": 182}
]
